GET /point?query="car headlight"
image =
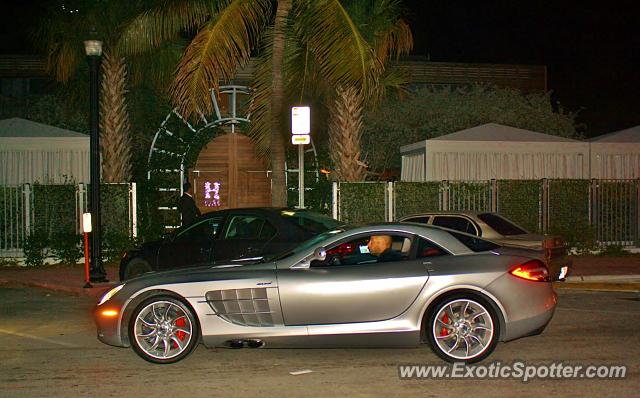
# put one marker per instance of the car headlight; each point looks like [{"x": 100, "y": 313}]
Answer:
[{"x": 110, "y": 294}]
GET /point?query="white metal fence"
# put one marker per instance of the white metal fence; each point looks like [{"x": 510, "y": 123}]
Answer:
[
  {"x": 22, "y": 207},
  {"x": 609, "y": 208}
]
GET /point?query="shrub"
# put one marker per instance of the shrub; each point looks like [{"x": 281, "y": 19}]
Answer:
[
  {"x": 34, "y": 252},
  {"x": 613, "y": 250},
  {"x": 115, "y": 243},
  {"x": 67, "y": 248}
]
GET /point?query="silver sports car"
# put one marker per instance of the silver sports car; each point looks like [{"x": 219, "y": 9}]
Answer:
[{"x": 399, "y": 284}]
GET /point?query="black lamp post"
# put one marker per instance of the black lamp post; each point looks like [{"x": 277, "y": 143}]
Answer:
[{"x": 93, "y": 49}]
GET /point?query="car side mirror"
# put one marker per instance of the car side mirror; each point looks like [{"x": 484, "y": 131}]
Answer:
[{"x": 319, "y": 254}]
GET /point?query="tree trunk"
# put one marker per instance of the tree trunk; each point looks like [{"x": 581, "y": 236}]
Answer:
[
  {"x": 345, "y": 130},
  {"x": 279, "y": 189},
  {"x": 115, "y": 141}
]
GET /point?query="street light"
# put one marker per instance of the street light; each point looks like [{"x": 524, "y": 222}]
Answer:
[{"x": 93, "y": 49}]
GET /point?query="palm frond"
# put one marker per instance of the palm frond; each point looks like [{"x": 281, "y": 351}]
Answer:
[
  {"x": 343, "y": 55},
  {"x": 155, "y": 68},
  {"x": 394, "y": 80},
  {"x": 222, "y": 45},
  {"x": 63, "y": 60},
  {"x": 394, "y": 42},
  {"x": 151, "y": 28}
]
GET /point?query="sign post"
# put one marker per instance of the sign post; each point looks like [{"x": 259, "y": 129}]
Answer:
[
  {"x": 86, "y": 228},
  {"x": 300, "y": 130}
]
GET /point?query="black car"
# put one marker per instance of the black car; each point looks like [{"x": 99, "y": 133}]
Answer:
[{"x": 226, "y": 235}]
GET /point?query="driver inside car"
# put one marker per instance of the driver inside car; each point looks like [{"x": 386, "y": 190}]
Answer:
[{"x": 380, "y": 246}]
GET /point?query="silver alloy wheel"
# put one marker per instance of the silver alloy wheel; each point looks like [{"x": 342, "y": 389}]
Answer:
[
  {"x": 163, "y": 330},
  {"x": 463, "y": 329}
]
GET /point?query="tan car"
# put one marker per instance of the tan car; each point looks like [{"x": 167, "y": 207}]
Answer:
[{"x": 501, "y": 230}]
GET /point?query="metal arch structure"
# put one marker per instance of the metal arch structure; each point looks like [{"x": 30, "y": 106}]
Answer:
[
  {"x": 170, "y": 144},
  {"x": 219, "y": 120}
]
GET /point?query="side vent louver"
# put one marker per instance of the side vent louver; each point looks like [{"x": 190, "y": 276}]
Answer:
[{"x": 247, "y": 307}]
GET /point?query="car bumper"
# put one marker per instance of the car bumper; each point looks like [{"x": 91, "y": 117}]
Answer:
[
  {"x": 108, "y": 328},
  {"x": 531, "y": 326},
  {"x": 527, "y": 306}
]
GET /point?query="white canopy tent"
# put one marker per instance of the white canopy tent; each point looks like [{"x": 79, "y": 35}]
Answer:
[
  {"x": 34, "y": 152},
  {"x": 616, "y": 155},
  {"x": 494, "y": 151}
]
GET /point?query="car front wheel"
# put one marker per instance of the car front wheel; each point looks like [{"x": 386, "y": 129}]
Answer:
[
  {"x": 463, "y": 328},
  {"x": 163, "y": 330}
]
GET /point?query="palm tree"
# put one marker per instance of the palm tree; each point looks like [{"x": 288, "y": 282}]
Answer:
[
  {"x": 344, "y": 135},
  {"x": 226, "y": 33},
  {"x": 382, "y": 26},
  {"x": 60, "y": 35}
]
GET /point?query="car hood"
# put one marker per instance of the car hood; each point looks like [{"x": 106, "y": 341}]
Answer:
[{"x": 201, "y": 273}]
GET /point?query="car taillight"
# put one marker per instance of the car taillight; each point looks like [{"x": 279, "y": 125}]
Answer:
[{"x": 533, "y": 270}]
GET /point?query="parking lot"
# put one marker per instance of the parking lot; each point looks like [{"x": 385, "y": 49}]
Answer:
[{"x": 49, "y": 349}]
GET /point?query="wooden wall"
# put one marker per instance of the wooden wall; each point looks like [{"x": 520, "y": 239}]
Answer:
[{"x": 232, "y": 161}]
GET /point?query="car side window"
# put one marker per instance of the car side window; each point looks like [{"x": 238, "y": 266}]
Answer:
[
  {"x": 368, "y": 249},
  {"x": 458, "y": 223},
  {"x": 204, "y": 230},
  {"x": 244, "y": 227},
  {"x": 420, "y": 220},
  {"x": 268, "y": 231},
  {"x": 426, "y": 248}
]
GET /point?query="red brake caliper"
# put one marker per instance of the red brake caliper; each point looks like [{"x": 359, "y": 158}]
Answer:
[
  {"x": 180, "y": 322},
  {"x": 445, "y": 319}
]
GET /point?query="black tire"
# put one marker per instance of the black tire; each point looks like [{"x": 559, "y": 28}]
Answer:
[
  {"x": 136, "y": 267},
  {"x": 163, "y": 330},
  {"x": 448, "y": 337}
]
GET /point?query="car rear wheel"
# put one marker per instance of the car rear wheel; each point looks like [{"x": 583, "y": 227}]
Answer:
[
  {"x": 463, "y": 328},
  {"x": 136, "y": 267},
  {"x": 163, "y": 330}
]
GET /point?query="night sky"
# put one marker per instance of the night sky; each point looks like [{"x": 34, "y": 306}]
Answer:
[{"x": 591, "y": 49}]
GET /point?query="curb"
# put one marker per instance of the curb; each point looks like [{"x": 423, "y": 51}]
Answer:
[
  {"x": 96, "y": 291},
  {"x": 633, "y": 278},
  {"x": 600, "y": 287}
]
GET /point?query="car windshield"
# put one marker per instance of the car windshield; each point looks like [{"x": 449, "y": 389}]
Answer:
[
  {"x": 311, "y": 222},
  {"x": 473, "y": 243},
  {"x": 501, "y": 225},
  {"x": 306, "y": 245}
]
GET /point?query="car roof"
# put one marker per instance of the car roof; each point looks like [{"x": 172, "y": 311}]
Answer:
[
  {"x": 443, "y": 212},
  {"x": 439, "y": 234},
  {"x": 260, "y": 210}
]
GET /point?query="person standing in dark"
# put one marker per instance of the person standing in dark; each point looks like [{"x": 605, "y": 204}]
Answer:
[{"x": 187, "y": 205}]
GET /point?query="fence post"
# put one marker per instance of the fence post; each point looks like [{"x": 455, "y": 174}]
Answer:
[
  {"x": 80, "y": 202},
  {"x": 133, "y": 208},
  {"x": 593, "y": 208},
  {"x": 593, "y": 201},
  {"x": 390, "y": 201},
  {"x": 494, "y": 195},
  {"x": 334, "y": 201},
  {"x": 26, "y": 192},
  {"x": 545, "y": 206},
  {"x": 637, "y": 212},
  {"x": 444, "y": 197}
]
